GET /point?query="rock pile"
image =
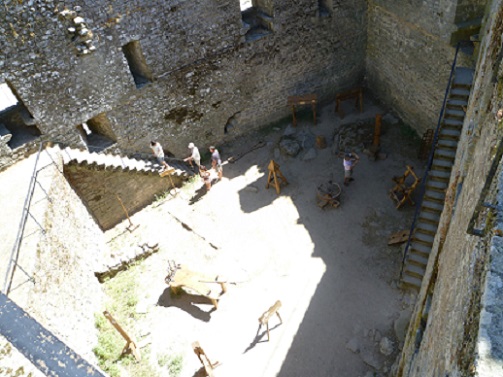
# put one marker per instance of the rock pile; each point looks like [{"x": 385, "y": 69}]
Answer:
[{"x": 81, "y": 36}]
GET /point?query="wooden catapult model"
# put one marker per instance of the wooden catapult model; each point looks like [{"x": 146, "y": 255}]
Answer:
[
  {"x": 204, "y": 359},
  {"x": 402, "y": 191}
]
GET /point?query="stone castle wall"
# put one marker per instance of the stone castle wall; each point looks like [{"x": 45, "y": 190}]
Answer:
[
  {"x": 99, "y": 189},
  {"x": 199, "y": 68},
  {"x": 410, "y": 52},
  {"x": 456, "y": 327}
]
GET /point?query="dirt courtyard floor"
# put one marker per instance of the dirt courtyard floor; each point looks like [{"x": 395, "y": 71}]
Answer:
[
  {"x": 336, "y": 277},
  {"x": 332, "y": 269}
]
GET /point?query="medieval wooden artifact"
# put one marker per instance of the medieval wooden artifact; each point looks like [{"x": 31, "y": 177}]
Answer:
[
  {"x": 403, "y": 190},
  {"x": 204, "y": 359},
  {"x": 275, "y": 176},
  {"x": 302, "y": 100},
  {"x": 203, "y": 284},
  {"x": 328, "y": 194},
  {"x": 264, "y": 318},
  {"x": 130, "y": 346},
  {"x": 356, "y": 94},
  {"x": 399, "y": 237}
]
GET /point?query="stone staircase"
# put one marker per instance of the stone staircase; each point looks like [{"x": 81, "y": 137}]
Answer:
[
  {"x": 114, "y": 162},
  {"x": 438, "y": 179}
]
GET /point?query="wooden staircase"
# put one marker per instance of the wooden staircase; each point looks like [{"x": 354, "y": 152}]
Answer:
[{"x": 438, "y": 179}]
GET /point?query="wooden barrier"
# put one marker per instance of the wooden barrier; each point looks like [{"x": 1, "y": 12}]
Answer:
[
  {"x": 307, "y": 99},
  {"x": 356, "y": 94}
]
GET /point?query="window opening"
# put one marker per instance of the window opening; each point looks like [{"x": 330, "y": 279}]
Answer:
[
  {"x": 17, "y": 125},
  {"x": 97, "y": 133},
  {"x": 137, "y": 64},
  {"x": 258, "y": 17},
  {"x": 325, "y": 8}
]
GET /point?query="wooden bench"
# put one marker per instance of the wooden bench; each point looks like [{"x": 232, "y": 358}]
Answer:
[
  {"x": 203, "y": 284},
  {"x": 356, "y": 94}
]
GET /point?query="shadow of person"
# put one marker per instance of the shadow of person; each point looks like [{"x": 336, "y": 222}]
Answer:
[
  {"x": 200, "y": 373},
  {"x": 258, "y": 337},
  {"x": 187, "y": 302},
  {"x": 200, "y": 192}
]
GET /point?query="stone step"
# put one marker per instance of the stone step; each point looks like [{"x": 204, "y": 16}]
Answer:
[
  {"x": 417, "y": 259},
  {"x": 424, "y": 238},
  {"x": 427, "y": 228},
  {"x": 447, "y": 144},
  {"x": 454, "y": 113},
  {"x": 440, "y": 186},
  {"x": 463, "y": 76},
  {"x": 415, "y": 270},
  {"x": 445, "y": 154},
  {"x": 458, "y": 104},
  {"x": 453, "y": 123},
  {"x": 411, "y": 281},
  {"x": 449, "y": 133},
  {"x": 442, "y": 164},
  {"x": 430, "y": 217},
  {"x": 459, "y": 93},
  {"x": 439, "y": 175},
  {"x": 432, "y": 205},
  {"x": 435, "y": 195},
  {"x": 420, "y": 248}
]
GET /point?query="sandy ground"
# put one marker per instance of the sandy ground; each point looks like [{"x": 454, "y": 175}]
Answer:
[{"x": 332, "y": 269}]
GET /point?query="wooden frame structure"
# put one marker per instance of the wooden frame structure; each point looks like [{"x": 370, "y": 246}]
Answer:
[
  {"x": 402, "y": 192},
  {"x": 182, "y": 277},
  {"x": 329, "y": 194},
  {"x": 302, "y": 100},
  {"x": 356, "y": 94},
  {"x": 275, "y": 177},
  {"x": 264, "y": 318},
  {"x": 204, "y": 359}
]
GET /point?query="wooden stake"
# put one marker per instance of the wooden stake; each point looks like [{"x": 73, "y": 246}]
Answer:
[
  {"x": 204, "y": 359},
  {"x": 131, "y": 227},
  {"x": 377, "y": 131},
  {"x": 130, "y": 346}
]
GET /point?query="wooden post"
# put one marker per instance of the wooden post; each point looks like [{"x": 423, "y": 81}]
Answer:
[
  {"x": 131, "y": 227},
  {"x": 130, "y": 346},
  {"x": 294, "y": 119},
  {"x": 168, "y": 173},
  {"x": 313, "y": 104},
  {"x": 377, "y": 131}
]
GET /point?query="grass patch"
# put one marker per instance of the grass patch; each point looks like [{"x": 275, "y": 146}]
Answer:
[
  {"x": 172, "y": 363},
  {"x": 122, "y": 292}
]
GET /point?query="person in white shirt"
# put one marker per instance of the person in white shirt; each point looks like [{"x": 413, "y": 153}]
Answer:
[
  {"x": 194, "y": 156},
  {"x": 350, "y": 161},
  {"x": 159, "y": 153}
]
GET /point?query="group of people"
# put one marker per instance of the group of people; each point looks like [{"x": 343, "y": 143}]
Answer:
[{"x": 193, "y": 159}]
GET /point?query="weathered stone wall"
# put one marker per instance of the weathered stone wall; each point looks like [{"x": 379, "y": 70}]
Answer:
[
  {"x": 66, "y": 258},
  {"x": 409, "y": 55},
  {"x": 98, "y": 190},
  {"x": 202, "y": 70},
  {"x": 456, "y": 298}
]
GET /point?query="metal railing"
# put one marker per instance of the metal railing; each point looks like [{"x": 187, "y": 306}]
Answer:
[{"x": 430, "y": 160}]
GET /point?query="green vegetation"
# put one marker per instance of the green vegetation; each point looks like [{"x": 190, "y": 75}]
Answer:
[
  {"x": 173, "y": 363},
  {"x": 123, "y": 298}
]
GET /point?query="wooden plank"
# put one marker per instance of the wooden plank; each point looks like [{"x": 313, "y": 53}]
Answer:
[{"x": 399, "y": 237}]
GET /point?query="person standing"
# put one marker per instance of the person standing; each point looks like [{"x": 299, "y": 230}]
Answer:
[
  {"x": 194, "y": 156},
  {"x": 216, "y": 162},
  {"x": 159, "y": 153},
  {"x": 350, "y": 161}
]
